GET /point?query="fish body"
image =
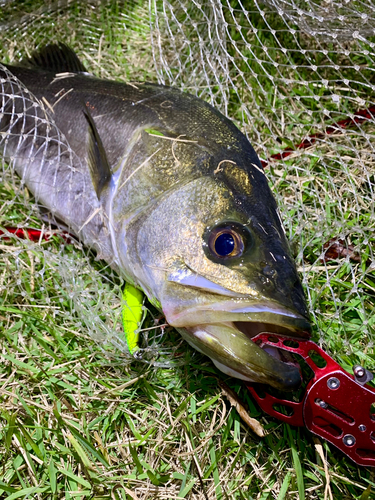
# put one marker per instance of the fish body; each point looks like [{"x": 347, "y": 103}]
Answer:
[{"x": 170, "y": 193}]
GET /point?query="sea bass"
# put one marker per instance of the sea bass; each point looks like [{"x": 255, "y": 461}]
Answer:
[{"x": 170, "y": 193}]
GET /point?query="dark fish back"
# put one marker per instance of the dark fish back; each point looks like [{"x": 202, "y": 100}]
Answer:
[{"x": 119, "y": 109}]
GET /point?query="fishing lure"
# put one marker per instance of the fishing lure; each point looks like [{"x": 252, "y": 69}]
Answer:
[{"x": 132, "y": 316}]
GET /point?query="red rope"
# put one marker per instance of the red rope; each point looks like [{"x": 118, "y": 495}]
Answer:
[
  {"x": 30, "y": 234},
  {"x": 33, "y": 234},
  {"x": 359, "y": 117}
]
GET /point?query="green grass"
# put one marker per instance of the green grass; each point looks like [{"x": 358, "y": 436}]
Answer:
[{"x": 81, "y": 419}]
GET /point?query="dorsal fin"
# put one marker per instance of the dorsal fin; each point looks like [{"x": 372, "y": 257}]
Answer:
[
  {"x": 57, "y": 58},
  {"x": 97, "y": 159}
]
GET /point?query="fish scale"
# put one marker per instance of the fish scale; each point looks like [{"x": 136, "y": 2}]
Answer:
[{"x": 152, "y": 178}]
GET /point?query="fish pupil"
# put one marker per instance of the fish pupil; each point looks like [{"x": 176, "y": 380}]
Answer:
[
  {"x": 224, "y": 244},
  {"x": 227, "y": 240}
]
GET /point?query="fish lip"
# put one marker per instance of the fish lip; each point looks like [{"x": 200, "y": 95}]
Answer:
[
  {"x": 211, "y": 329},
  {"x": 253, "y": 318},
  {"x": 244, "y": 363}
]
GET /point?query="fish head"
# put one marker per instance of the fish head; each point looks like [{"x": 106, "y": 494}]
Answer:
[{"x": 212, "y": 254}]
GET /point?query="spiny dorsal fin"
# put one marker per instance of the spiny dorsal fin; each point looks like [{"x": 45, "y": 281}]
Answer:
[
  {"x": 97, "y": 159},
  {"x": 57, "y": 58}
]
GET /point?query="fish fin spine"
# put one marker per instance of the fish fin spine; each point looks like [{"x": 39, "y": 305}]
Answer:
[
  {"x": 97, "y": 159},
  {"x": 57, "y": 58}
]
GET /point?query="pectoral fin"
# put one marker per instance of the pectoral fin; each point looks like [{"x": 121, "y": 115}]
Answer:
[{"x": 96, "y": 158}]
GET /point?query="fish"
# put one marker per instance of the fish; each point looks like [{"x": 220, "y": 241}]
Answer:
[{"x": 170, "y": 193}]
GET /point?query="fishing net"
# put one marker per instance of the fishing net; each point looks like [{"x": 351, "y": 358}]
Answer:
[{"x": 297, "y": 77}]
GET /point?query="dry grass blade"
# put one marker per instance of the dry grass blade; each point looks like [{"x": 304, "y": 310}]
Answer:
[
  {"x": 319, "y": 449},
  {"x": 236, "y": 402}
]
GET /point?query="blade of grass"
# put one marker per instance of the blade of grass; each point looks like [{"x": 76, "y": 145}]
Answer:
[
  {"x": 183, "y": 492},
  {"x": 136, "y": 460},
  {"x": 284, "y": 486},
  {"x": 77, "y": 479},
  {"x": 27, "y": 492},
  {"x": 297, "y": 465},
  {"x": 80, "y": 451},
  {"x": 215, "y": 471},
  {"x": 52, "y": 476},
  {"x": 8, "y": 489}
]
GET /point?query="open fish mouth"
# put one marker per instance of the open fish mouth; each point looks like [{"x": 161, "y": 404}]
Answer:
[
  {"x": 231, "y": 348},
  {"x": 252, "y": 329}
]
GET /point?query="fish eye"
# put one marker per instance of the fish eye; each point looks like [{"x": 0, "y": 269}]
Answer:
[{"x": 227, "y": 240}]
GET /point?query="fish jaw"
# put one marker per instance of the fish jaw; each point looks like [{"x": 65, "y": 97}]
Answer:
[
  {"x": 242, "y": 310},
  {"x": 223, "y": 330},
  {"x": 234, "y": 353}
]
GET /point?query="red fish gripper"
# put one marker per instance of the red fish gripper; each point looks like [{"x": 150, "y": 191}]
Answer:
[{"x": 336, "y": 405}]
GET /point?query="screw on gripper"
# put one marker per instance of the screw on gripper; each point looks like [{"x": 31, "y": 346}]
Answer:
[
  {"x": 359, "y": 371},
  {"x": 361, "y": 375},
  {"x": 348, "y": 440},
  {"x": 333, "y": 383},
  {"x": 362, "y": 427}
]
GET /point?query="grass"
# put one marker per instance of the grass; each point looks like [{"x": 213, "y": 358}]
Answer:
[{"x": 81, "y": 419}]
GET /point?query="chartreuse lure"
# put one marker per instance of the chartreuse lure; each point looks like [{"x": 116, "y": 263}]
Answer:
[{"x": 132, "y": 316}]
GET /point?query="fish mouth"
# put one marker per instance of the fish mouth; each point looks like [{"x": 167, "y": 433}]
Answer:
[
  {"x": 231, "y": 348},
  {"x": 252, "y": 329},
  {"x": 223, "y": 330}
]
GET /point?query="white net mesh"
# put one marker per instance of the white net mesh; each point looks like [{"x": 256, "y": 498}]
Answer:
[{"x": 297, "y": 77}]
